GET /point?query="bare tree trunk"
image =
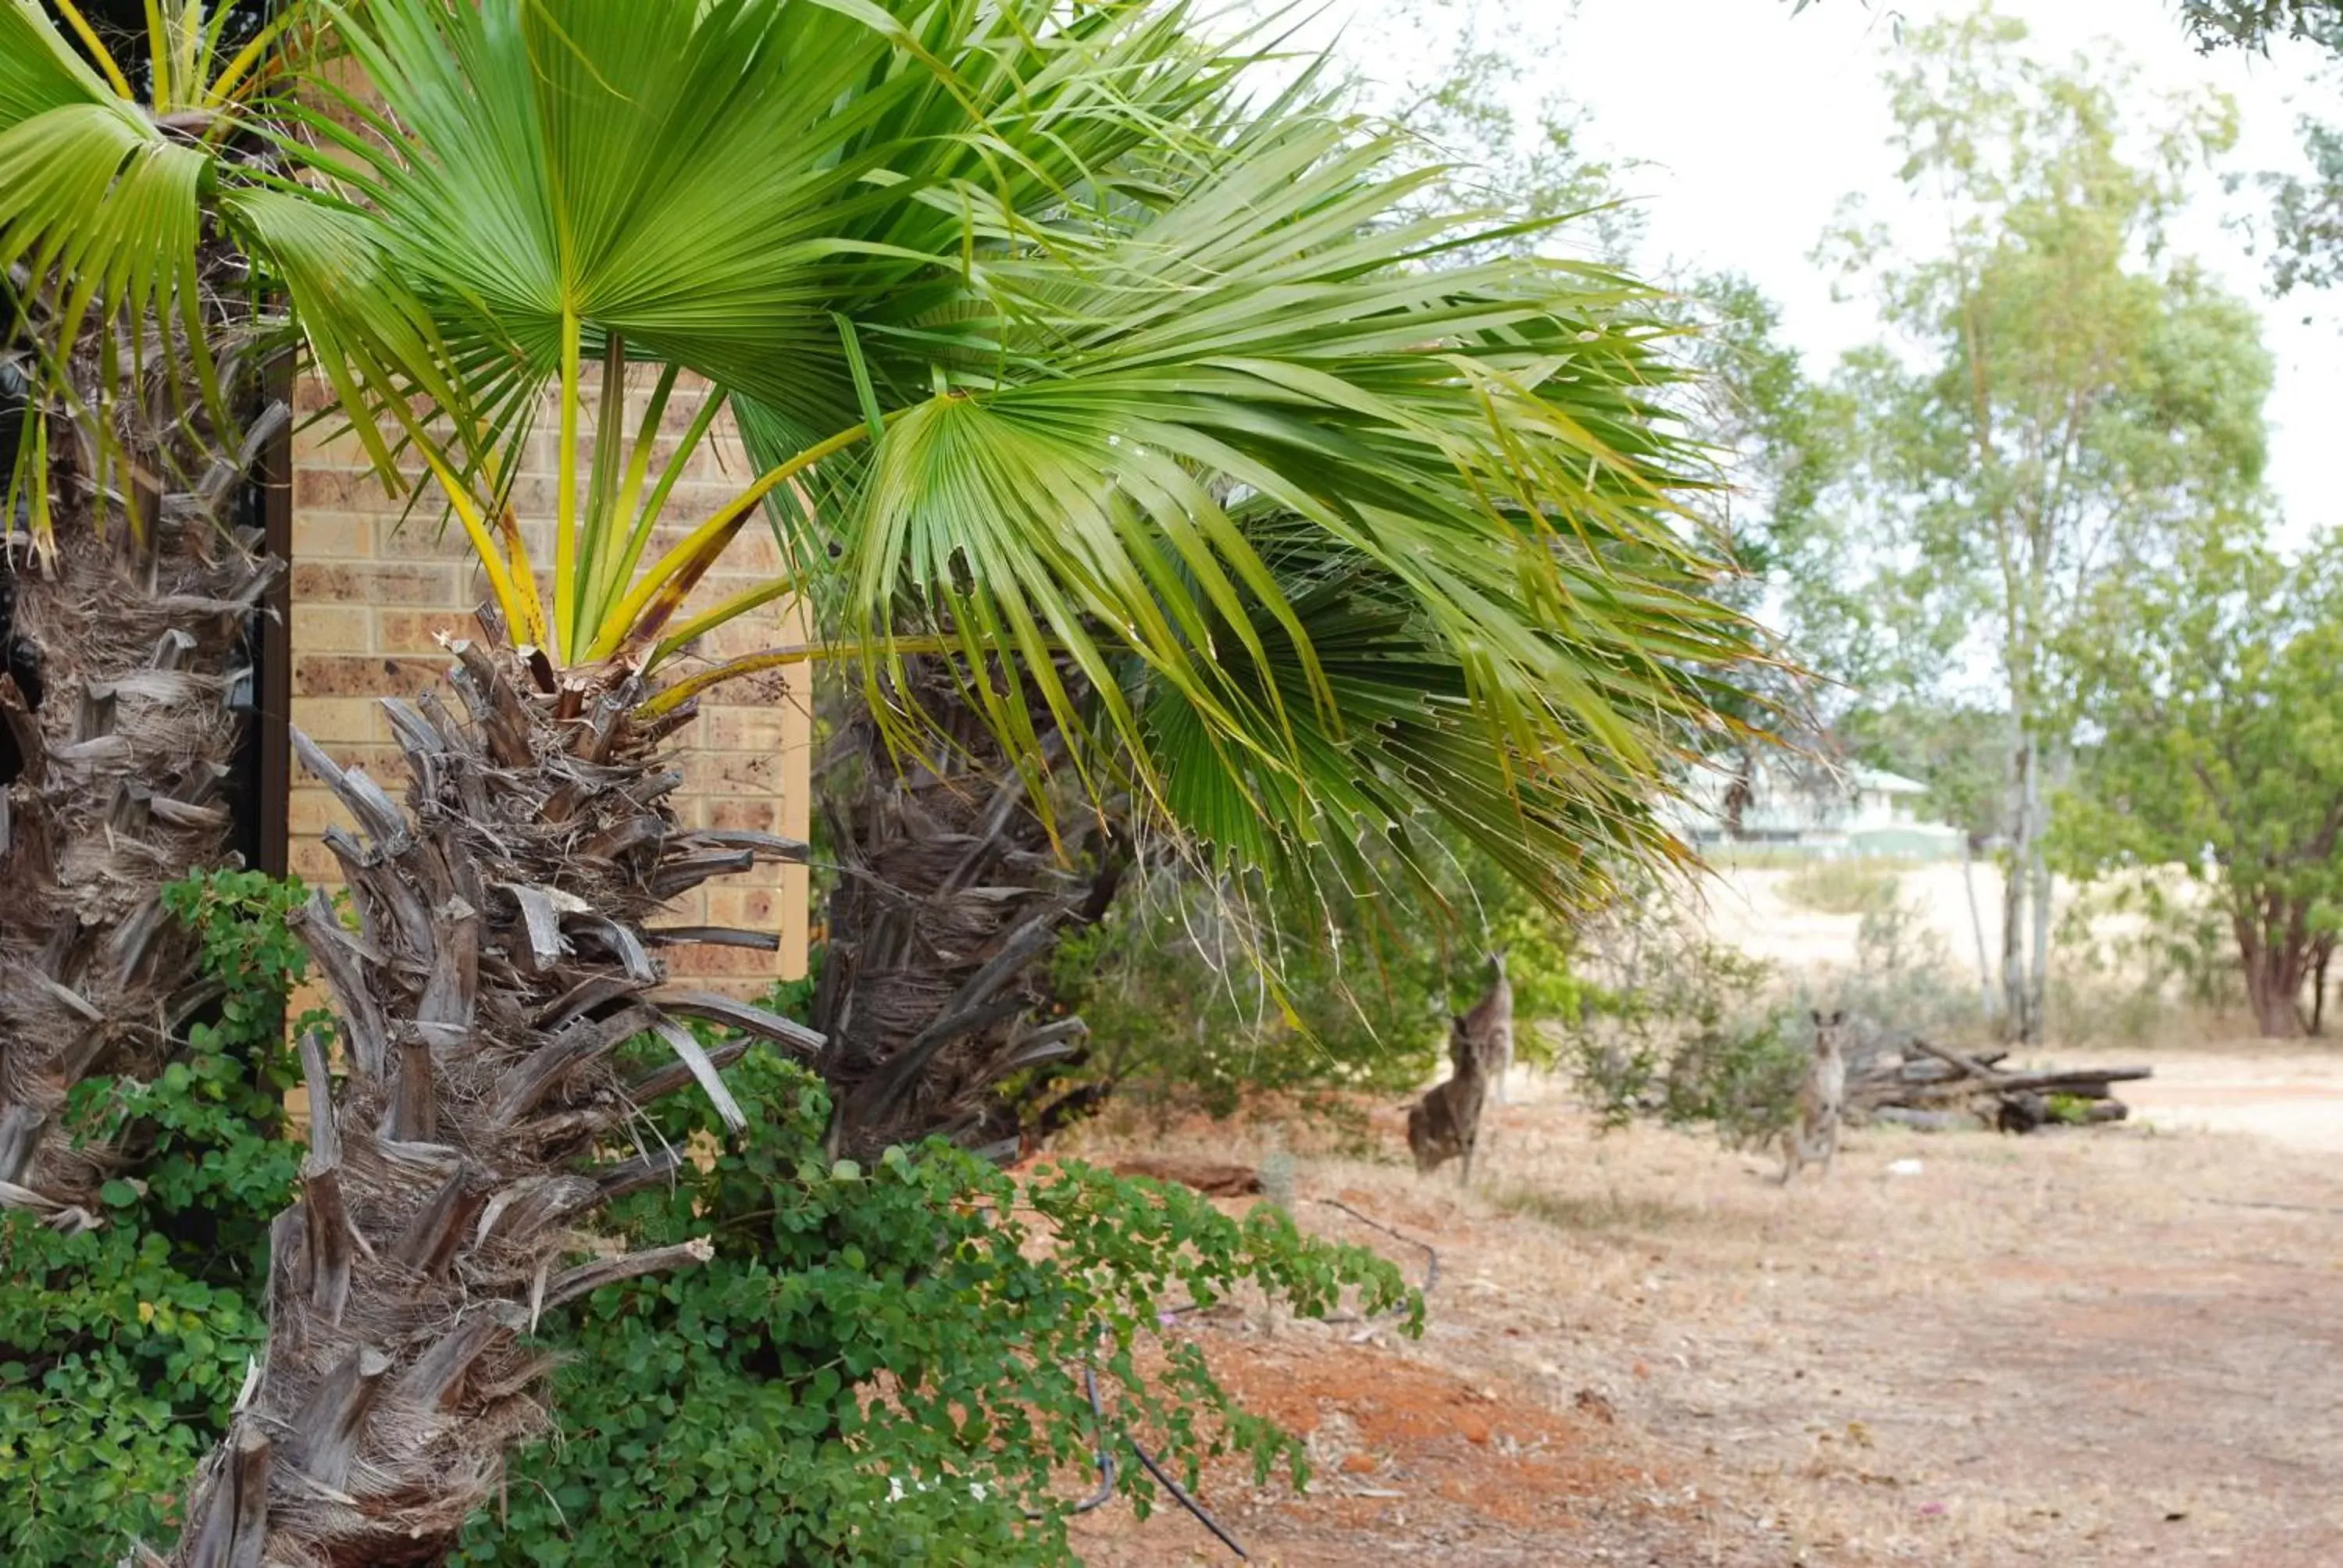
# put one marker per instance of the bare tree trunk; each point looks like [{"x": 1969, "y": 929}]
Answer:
[
  {"x": 2325, "y": 951},
  {"x": 2038, "y": 982},
  {"x": 119, "y": 751},
  {"x": 1739, "y": 793},
  {"x": 501, "y": 960},
  {"x": 2013, "y": 899},
  {"x": 1989, "y": 1006},
  {"x": 2274, "y": 954},
  {"x": 950, "y": 899}
]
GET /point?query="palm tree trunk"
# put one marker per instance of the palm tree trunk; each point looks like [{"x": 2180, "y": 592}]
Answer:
[
  {"x": 119, "y": 752},
  {"x": 951, "y": 895},
  {"x": 501, "y": 958}
]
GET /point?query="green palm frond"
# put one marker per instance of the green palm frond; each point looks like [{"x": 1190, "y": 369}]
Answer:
[
  {"x": 1409, "y": 743},
  {"x": 1146, "y": 399},
  {"x": 104, "y": 201}
]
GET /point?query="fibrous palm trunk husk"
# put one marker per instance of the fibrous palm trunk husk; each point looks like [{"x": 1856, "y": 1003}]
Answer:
[
  {"x": 501, "y": 958},
  {"x": 119, "y": 753},
  {"x": 952, "y": 894}
]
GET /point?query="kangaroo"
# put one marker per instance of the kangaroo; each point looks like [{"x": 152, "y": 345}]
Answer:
[
  {"x": 1491, "y": 1022},
  {"x": 1445, "y": 1124},
  {"x": 1814, "y": 1134}
]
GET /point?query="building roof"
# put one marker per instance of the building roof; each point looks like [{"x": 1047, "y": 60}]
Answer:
[{"x": 1886, "y": 783}]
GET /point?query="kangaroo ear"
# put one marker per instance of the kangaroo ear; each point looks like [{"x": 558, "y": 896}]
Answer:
[
  {"x": 1838, "y": 1018},
  {"x": 1816, "y": 1014}
]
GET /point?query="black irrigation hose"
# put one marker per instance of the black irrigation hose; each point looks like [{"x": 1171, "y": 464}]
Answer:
[
  {"x": 1178, "y": 1493},
  {"x": 1106, "y": 1472},
  {"x": 1186, "y": 1501},
  {"x": 1431, "y": 1253},
  {"x": 1106, "y": 1475},
  {"x": 1098, "y": 1436}
]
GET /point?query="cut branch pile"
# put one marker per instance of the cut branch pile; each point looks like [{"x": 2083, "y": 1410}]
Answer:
[{"x": 1936, "y": 1088}]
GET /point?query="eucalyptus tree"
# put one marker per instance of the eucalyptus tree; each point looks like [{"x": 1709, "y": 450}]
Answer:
[
  {"x": 2204, "y": 684},
  {"x": 2063, "y": 395},
  {"x": 1131, "y": 388}
]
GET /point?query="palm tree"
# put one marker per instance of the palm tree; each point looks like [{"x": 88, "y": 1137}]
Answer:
[
  {"x": 1111, "y": 418},
  {"x": 131, "y": 577}
]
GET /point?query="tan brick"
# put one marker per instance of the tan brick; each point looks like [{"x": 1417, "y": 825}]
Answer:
[
  {"x": 419, "y": 538},
  {"x": 751, "y": 909},
  {"x": 363, "y": 675},
  {"x": 381, "y": 583},
  {"x": 309, "y": 861},
  {"x": 341, "y": 721},
  {"x": 329, "y": 445},
  {"x": 309, "y": 813},
  {"x": 733, "y": 726},
  {"x": 418, "y": 630},
  {"x": 332, "y": 629},
  {"x": 323, "y": 535},
  {"x": 734, "y": 773},
  {"x": 751, "y": 814},
  {"x": 736, "y": 965},
  {"x": 333, "y": 489}
]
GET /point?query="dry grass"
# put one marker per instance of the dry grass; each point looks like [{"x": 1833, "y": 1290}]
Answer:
[
  {"x": 2031, "y": 1351},
  {"x": 1841, "y": 888}
]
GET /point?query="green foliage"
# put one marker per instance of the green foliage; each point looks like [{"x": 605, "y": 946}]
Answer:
[
  {"x": 1196, "y": 998},
  {"x": 885, "y": 1365},
  {"x": 1956, "y": 747},
  {"x": 2207, "y": 682},
  {"x": 1841, "y": 888},
  {"x": 2255, "y": 24},
  {"x": 1683, "y": 1028},
  {"x": 2070, "y": 1109},
  {"x": 2062, "y": 394},
  {"x": 2065, "y": 388},
  {"x": 1466, "y": 78},
  {"x": 2304, "y": 229},
  {"x": 2156, "y": 927},
  {"x": 122, "y": 1347}
]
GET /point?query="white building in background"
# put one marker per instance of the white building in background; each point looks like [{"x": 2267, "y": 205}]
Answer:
[{"x": 1816, "y": 810}]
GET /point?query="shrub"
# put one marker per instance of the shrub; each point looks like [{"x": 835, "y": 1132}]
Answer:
[
  {"x": 1682, "y": 1028},
  {"x": 1905, "y": 981},
  {"x": 886, "y": 1365},
  {"x": 1196, "y": 1001},
  {"x": 876, "y": 1366},
  {"x": 122, "y": 1348}
]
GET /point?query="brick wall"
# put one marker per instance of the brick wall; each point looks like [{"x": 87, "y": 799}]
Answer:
[{"x": 370, "y": 594}]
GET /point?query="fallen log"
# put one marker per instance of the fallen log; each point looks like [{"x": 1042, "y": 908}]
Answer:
[
  {"x": 1935, "y": 1086},
  {"x": 1925, "y": 1120},
  {"x": 1213, "y": 1178}
]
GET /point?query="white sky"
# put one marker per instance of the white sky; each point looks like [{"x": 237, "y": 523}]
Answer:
[{"x": 1751, "y": 125}]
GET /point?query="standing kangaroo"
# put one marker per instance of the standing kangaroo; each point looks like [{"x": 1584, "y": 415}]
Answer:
[
  {"x": 1491, "y": 1022},
  {"x": 1445, "y": 1124},
  {"x": 1820, "y": 1098}
]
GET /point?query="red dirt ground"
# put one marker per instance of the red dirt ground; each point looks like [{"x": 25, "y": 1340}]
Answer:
[{"x": 2091, "y": 1348}]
